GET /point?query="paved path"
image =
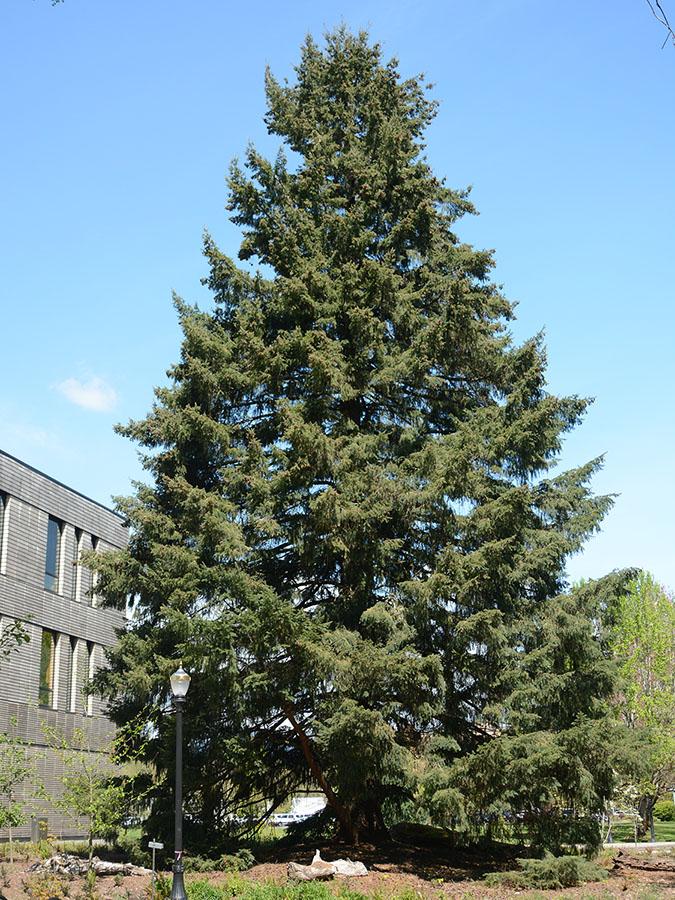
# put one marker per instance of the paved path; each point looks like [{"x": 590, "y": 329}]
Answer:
[{"x": 641, "y": 845}]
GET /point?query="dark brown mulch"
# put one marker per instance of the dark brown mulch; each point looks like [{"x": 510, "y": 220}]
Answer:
[{"x": 418, "y": 871}]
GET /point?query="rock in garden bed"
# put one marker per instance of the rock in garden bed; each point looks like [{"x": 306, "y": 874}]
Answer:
[
  {"x": 66, "y": 864},
  {"x": 320, "y": 870}
]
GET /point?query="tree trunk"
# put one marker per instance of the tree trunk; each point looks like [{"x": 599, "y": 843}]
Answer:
[
  {"x": 11, "y": 845},
  {"x": 347, "y": 829},
  {"x": 368, "y": 822},
  {"x": 646, "y": 810}
]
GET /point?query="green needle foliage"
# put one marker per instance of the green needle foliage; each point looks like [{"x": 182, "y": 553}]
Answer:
[{"x": 351, "y": 534}]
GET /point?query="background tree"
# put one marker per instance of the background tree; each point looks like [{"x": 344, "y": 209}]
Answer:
[
  {"x": 352, "y": 534},
  {"x": 643, "y": 640},
  {"x": 93, "y": 792},
  {"x": 12, "y": 636},
  {"x": 16, "y": 768}
]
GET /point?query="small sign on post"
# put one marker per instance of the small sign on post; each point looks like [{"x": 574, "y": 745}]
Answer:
[{"x": 154, "y": 846}]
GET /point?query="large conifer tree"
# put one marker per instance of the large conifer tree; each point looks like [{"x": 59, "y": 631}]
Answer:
[{"x": 350, "y": 535}]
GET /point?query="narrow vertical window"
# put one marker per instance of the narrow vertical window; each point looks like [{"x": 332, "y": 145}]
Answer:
[
  {"x": 53, "y": 553},
  {"x": 72, "y": 687},
  {"x": 56, "y": 673},
  {"x": 95, "y": 599},
  {"x": 47, "y": 658},
  {"x": 77, "y": 563},
  {"x": 91, "y": 663},
  {"x": 4, "y": 532}
]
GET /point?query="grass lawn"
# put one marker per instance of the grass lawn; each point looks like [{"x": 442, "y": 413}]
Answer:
[{"x": 665, "y": 831}]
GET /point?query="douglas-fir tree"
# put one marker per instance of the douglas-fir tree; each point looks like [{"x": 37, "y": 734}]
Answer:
[{"x": 351, "y": 536}]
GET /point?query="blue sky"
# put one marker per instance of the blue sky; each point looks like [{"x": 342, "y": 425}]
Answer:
[{"x": 120, "y": 119}]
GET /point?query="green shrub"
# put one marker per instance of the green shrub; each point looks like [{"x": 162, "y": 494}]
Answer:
[
  {"x": 664, "y": 811},
  {"x": 228, "y": 862},
  {"x": 549, "y": 873},
  {"x": 44, "y": 886},
  {"x": 267, "y": 890},
  {"x": 310, "y": 890},
  {"x": 43, "y": 849},
  {"x": 161, "y": 889},
  {"x": 199, "y": 864},
  {"x": 74, "y": 848},
  {"x": 203, "y": 890},
  {"x": 346, "y": 893},
  {"x": 233, "y": 886},
  {"x": 131, "y": 850},
  {"x": 237, "y": 862},
  {"x": 28, "y": 850}
]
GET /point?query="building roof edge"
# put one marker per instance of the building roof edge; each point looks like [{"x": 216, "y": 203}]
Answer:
[{"x": 66, "y": 487}]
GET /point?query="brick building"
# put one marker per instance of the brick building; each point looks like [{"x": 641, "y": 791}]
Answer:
[{"x": 44, "y": 528}]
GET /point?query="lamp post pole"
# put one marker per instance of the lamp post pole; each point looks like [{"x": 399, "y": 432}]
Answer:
[
  {"x": 180, "y": 682},
  {"x": 178, "y": 887}
]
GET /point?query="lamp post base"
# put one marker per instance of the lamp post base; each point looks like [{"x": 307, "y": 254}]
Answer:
[{"x": 178, "y": 886}]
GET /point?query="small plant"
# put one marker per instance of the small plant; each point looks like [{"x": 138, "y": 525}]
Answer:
[
  {"x": 4, "y": 876},
  {"x": 409, "y": 893},
  {"x": 44, "y": 886},
  {"x": 89, "y": 890},
  {"x": 161, "y": 889},
  {"x": 44, "y": 849},
  {"x": 238, "y": 862},
  {"x": 117, "y": 880},
  {"x": 346, "y": 893},
  {"x": 234, "y": 886},
  {"x": 549, "y": 873},
  {"x": 203, "y": 890}
]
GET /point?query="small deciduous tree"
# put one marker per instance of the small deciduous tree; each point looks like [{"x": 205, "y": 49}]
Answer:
[
  {"x": 643, "y": 642},
  {"x": 93, "y": 792},
  {"x": 16, "y": 768}
]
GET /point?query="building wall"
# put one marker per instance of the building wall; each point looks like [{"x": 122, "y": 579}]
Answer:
[{"x": 70, "y": 611}]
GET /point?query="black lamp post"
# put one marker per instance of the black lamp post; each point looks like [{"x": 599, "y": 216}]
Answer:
[{"x": 180, "y": 682}]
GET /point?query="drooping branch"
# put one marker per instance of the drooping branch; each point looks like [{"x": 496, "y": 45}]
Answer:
[
  {"x": 659, "y": 14},
  {"x": 340, "y": 809}
]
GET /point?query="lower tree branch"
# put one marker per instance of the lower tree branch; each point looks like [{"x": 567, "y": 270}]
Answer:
[{"x": 341, "y": 811}]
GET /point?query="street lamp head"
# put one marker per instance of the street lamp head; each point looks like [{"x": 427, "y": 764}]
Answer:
[{"x": 180, "y": 682}]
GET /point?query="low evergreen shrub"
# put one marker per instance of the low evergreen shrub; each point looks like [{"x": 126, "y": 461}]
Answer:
[
  {"x": 549, "y": 873},
  {"x": 229, "y": 862}
]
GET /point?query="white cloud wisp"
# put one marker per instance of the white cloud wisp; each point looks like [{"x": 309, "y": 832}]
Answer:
[{"x": 94, "y": 394}]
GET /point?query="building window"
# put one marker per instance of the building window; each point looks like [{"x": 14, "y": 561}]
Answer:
[
  {"x": 4, "y": 532},
  {"x": 95, "y": 599},
  {"x": 53, "y": 557},
  {"x": 72, "y": 698},
  {"x": 77, "y": 563},
  {"x": 47, "y": 668},
  {"x": 91, "y": 668}
]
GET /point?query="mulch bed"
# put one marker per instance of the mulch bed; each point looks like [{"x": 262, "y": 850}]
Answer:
[{"x": 417, "y": 870}]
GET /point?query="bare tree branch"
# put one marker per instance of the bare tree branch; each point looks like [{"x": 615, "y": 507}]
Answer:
[{"x": 659, "y": 14}]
